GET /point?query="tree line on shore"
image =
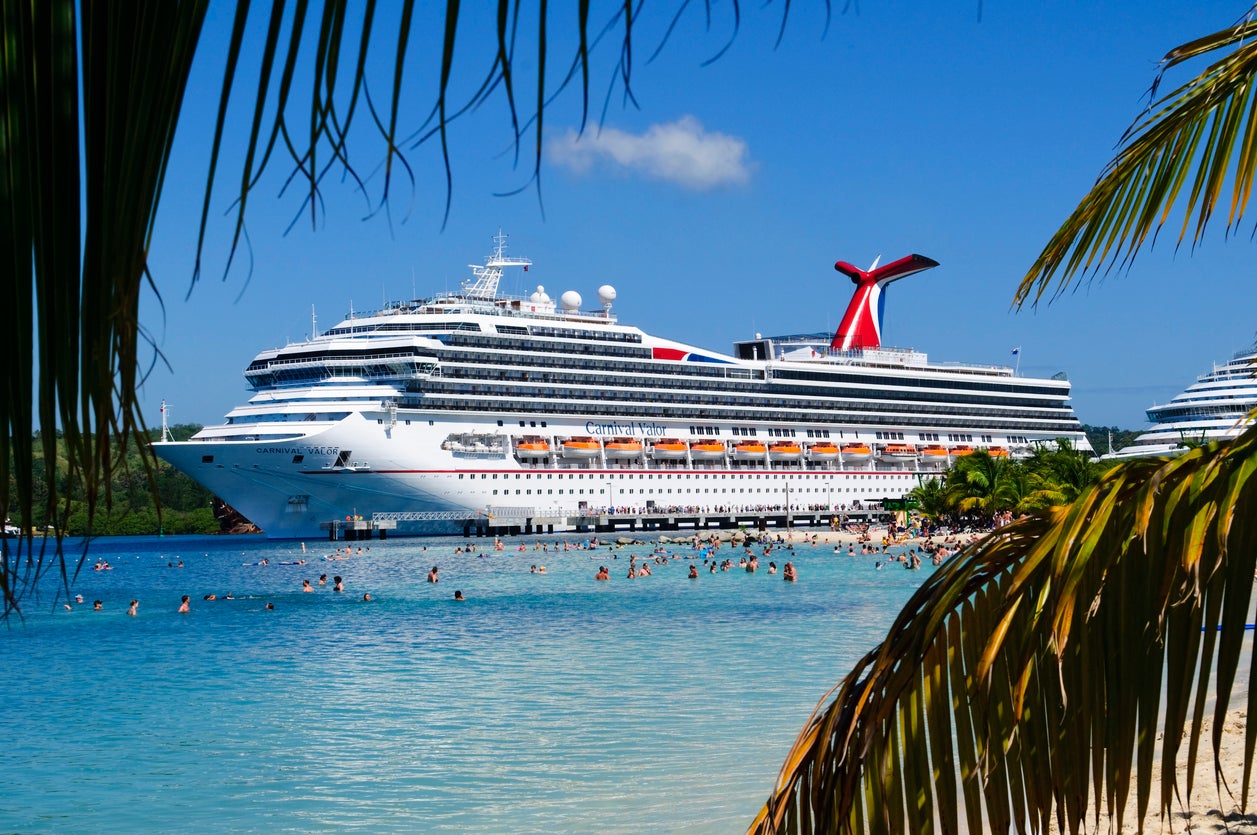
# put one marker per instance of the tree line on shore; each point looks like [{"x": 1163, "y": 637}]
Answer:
[
  {"x": 133, "y": 502},
  {"x": 981, "y": 486}
]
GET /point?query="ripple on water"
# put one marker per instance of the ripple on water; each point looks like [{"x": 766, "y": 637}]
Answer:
[{"x": 545, "y": 702}]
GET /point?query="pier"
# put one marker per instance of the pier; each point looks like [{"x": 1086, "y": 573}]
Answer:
[{"x": 529, "y": 521}]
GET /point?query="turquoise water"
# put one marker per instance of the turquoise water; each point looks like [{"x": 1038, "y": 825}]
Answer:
[{"x": 542, "y": 703}]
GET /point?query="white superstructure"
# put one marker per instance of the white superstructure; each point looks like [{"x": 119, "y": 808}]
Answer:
[
  {"x": 1213, "y": 408},
  {"x": 478, "y": 401}
]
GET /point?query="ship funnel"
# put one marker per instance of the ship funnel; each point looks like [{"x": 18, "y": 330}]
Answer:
[{"x": 861, "y": 325}]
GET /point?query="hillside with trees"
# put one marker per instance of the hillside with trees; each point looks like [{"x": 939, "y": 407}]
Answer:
[
  {"x": 185, "y": 506},
  {"x": 1099, "y": 437}
]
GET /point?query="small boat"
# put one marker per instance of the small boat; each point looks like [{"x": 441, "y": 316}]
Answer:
[
  {"x": 623, "y": 448},
  {"x": 669, "y": 448},
  {"x": 822, "y": 451},
  {"x": 898, "y": 452},
  {"x": 749, "y": 451},
  {"x": 785, "y": 451},
  {"x": 997, "y": 452},
  {"x": 961, "y": 451},
  {"x": 934, "y": 454},
  {"x": 856, "y": 452},
  {"x": 532, "y": 446},
  {"x": 708, "y": 449},
  {"x": 581, "y": 446}
]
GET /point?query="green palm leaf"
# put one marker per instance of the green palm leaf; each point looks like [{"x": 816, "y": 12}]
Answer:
[
  {"x": 1204, "y": 133},
  {"x": 1056, "y": 638}
]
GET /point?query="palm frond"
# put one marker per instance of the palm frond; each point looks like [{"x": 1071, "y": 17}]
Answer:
[
  {"x": 1024, "y": 681},
  {"x": 1204, "y": 133}
]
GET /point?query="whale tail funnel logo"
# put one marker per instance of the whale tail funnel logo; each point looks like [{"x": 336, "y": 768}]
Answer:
[{"x": 861, "y": 325}]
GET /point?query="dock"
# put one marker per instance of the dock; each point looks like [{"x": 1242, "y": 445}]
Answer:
[{"x": 527, "y": 521}]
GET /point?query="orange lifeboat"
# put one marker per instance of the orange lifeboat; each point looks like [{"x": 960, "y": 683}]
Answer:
[
  {"x": 623, "y": 448},
  {"x": 708, "y": 449},
  {"x": 899, "y": 452},
  {"x": 532, "y": 446},
  {"x": 669, "y": 448},
  {"x": 997, "y": 452},
  {"x": 749, "y": 450},
  {"x": 961, "y": 451},
  {"x": 785, "y": 451},
  {"x": 856, "y": 452},
  {"x": 581, "y": 446},
  {"x": 822, "y": 451}
]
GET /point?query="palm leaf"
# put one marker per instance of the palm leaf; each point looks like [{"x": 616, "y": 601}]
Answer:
[
  {"x": 1065, "y": 642},
  {"x": 1203, "y": 132}
]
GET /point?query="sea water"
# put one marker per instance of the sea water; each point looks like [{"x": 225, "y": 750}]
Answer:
[{"x": 544, "y": 702}]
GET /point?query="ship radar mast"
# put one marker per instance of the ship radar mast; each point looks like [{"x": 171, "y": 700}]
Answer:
[
  {"x": 165, "y": 427},
  {"x": 484, "y": 281}
]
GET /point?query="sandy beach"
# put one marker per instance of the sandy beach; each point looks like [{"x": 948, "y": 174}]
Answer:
[{"x": 1209, "y": 809}]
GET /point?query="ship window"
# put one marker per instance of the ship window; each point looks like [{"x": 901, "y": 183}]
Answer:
[
  {"x": 499, "y": 423},
  {"x": 207, "y": 459},
  {"x": 297, "y": 459}
]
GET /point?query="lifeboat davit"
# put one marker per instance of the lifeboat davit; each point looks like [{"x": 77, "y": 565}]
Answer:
[
  {"x": 934, "y": 454},
  {"x": 854, "y": 453},
  {"x": 623, "y": 448},
  {"x": 749, "y": 451},
  {"x": 785, "y": 451},
  {"x": 708, "y": 449},
  {"x": 532, "y": 447},
  {"x": 581, "y": 446},
  {"x": 899, "y": 452},
  {"x": 671, "y": 449},
  {"x": 823, "y": 451}
]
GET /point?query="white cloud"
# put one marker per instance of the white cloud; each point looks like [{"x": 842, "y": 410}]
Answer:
[{"x": 680, "y": 152}]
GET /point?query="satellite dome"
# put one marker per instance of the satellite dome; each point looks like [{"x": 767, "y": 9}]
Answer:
[
  {"x": 571, "y": 300},
  {"x": 606, "y": 294},
  {"x": 540, "y": 295}
]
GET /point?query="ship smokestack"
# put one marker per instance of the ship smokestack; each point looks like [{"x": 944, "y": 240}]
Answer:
[{"x": 861, "y": 325}]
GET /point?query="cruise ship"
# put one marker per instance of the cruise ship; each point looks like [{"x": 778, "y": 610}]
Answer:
[
  {"x": 479, "y": 403},
  {"x": 1214, "y": 408}
]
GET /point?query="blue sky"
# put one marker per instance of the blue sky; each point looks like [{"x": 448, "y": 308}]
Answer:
[{"x": 964, "y": 131}]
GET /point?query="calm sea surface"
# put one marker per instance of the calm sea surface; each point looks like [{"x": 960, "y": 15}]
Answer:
[{"x": 543, "y": 703}]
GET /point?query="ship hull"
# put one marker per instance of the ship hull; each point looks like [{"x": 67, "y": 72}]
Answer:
[{"x": 294, "y": 490}]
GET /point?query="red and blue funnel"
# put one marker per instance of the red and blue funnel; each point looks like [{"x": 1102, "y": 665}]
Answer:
[{"x": 861, "y": 325}]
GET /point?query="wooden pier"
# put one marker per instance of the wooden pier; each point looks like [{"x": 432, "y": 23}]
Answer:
[{"x": 535, "y": 521}]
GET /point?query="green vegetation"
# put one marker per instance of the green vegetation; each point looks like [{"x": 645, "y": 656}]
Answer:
[
  {"x": 1098, "y": 437},
  {"x": 980, "y": 486},
  {"x": 178, "y": 505}
]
